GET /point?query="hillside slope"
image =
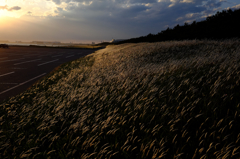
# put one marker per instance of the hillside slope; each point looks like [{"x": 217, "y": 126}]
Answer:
[{"x": 146, "y": 100}]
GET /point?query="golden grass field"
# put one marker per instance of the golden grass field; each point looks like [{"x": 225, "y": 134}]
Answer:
[{"x": 177, "y": 99}]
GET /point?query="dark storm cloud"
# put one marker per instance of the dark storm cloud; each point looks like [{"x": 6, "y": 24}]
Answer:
[
  {"x": 10, "y": 9},
  {"x": 132, "y": 9},
  {"x": 58, "y": 9},
  {"x": 195, "y": 11},
  {"x": 107, "y": 19},
  {"x": 60, "y": 1},
  {"x": 213, "y": 4},
  {"x": 136, "y": 17},
  {"x": 14, "y": 8}
]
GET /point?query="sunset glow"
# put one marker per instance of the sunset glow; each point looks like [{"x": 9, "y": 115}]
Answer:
[
  {"x": 2, "y": 3},
  {"x": 3, "y": 13},
  {"x": 94, "y": 20}
]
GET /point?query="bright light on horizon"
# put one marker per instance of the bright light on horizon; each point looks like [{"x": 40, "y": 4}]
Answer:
[
  {"x": 93, "y": 20},
  {"x": 2, "y": 3},
  {"x": 2, "y": 11},
  {"x": 33, "y": 8}
]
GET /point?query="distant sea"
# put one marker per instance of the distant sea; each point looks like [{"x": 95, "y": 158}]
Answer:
[{"x": 27, "y": 44}]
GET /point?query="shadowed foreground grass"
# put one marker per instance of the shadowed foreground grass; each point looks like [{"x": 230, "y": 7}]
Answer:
[{"x": 147, "y": 100}]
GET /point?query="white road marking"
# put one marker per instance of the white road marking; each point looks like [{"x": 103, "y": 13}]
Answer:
[
  {"x": 22, "y": 83},
  {"x": 70, "y": 56},
  {"x": 56, "y": 55},
  {"x": 7, "y": 74},
  {"x": 12, "y": 60},
  {"x": 48, "y": 62},
  {"x": 27, "y": 61}
]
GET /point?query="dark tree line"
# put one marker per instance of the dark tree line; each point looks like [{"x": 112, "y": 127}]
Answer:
[
  {"x": 3, "y": 45},
  {"x": 222, "y": 25}
]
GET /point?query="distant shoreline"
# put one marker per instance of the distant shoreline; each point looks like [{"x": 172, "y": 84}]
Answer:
[
  {"x": 31, "y": 44},
  {"x": 59, "y": 46}
]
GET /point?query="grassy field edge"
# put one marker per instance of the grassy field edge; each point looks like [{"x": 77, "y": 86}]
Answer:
[{"x": 175, "y": 99}]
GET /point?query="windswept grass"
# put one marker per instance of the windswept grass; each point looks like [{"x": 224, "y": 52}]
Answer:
[{"x": 147, "y": 100}]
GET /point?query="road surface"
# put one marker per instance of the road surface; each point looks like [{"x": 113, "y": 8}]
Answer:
[{"x": 20, "y": 67}]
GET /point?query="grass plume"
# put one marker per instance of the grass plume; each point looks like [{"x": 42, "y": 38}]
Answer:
[{"x": 177, "y": 99}]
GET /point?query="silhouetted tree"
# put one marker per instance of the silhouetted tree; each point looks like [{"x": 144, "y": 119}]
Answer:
[{"x": 222, "y": 25}]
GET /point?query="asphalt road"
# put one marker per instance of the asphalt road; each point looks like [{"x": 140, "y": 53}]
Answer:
[{"x": 20, "y": 67}]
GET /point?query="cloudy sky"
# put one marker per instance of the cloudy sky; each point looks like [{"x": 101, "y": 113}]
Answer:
[{"x": 99, "y": 20}]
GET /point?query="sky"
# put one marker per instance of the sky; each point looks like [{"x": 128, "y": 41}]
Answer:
[{"x": 99, "y": 20}]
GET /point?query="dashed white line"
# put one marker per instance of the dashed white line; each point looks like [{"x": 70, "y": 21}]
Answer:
[
  {"x": 48, "y": 62},
  {"x": 12, "y": 60},
  {"x": 27, "y": 61},
  {"x": 7, "y": 74},
  {"x": 56, "y": 55},
  {"x": 70, "y": 56},
  {"x": 22, "y": 83}
]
